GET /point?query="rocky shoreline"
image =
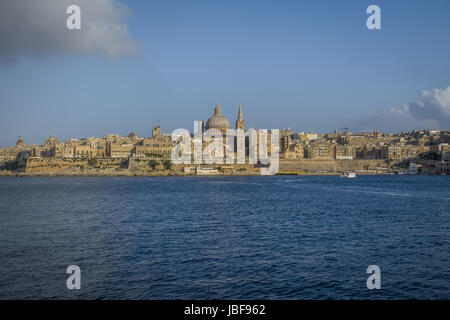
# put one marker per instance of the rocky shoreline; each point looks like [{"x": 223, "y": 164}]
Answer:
[{"x": 118, "y": 168}]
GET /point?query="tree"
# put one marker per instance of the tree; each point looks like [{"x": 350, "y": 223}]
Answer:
[
  {"x": 167, "y": 165},
  {"x": 92, "y": 162},
  {"x": 155, "y": 155},
  {"x": 154, "y": 164}
]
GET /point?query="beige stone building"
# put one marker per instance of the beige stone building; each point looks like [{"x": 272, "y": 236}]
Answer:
[
  {"x": 116, "y": 150},
  {"x": 295, "y": 151},
  {"x": 343, "y": 152},
  {"x": 158, "y": 145},
  {"x": 63, "y": 150},
  {"x": 319, "y": 150}
]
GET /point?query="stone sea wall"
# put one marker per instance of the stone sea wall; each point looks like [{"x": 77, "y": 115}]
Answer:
[
  {"x": 152, "y": 167},
  {"x": 334, "y": 166}
]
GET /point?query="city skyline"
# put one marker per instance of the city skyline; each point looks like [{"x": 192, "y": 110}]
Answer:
[
  {"x": 168, "y": 131},
  {"x": 291, "y": 66}
]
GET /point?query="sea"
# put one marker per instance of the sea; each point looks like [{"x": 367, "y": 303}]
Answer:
[{"x": 266, "y": 237}]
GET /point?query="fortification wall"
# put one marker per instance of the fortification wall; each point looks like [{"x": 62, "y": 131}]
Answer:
[{"x": 331, "y": 165}]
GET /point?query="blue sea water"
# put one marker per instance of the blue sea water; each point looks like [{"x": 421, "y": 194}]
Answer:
[{"x": 274, "y": 237}]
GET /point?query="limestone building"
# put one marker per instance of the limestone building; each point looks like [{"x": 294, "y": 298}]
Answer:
[{"x": 218, "y": 121}]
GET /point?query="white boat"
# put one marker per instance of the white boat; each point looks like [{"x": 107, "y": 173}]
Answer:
[{"x": 348, "y": 174}]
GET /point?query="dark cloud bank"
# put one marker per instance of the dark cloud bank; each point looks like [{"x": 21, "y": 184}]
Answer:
[{"x": 39, "y": 27}]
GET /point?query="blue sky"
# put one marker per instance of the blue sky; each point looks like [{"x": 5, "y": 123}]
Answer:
[{"x": 308, "y": 65}]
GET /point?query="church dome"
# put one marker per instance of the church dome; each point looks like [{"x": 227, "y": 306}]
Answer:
[{"x": 217, "y": 121}]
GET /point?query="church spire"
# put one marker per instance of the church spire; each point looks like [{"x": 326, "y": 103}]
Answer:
[
  {"x": 240, "y": 113},
  {"x": 240, "y": 120}
]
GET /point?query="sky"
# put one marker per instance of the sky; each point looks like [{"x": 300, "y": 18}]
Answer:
[{"x": 307, "y": 65}]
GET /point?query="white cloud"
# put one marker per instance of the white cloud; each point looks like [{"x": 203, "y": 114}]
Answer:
[
  {"x": 39, "y": 27},
  {"x": 430, "y": 111}
]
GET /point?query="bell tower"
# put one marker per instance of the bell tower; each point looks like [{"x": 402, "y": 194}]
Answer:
[{"x": 156, "y": 131}]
